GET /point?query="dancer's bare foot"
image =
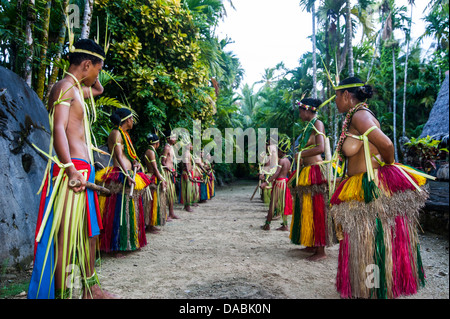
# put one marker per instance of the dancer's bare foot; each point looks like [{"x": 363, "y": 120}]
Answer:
[
  {"x": 95, "y": 292},
  {"x": 153, "y": 230},
  {"x": 283, "y": 228},
  {"x": 173, "y": 216},
  {"x": 265, "y": 227},
  {"x": 318, "y": 255},
  {"x": 188, "y": 209},
  {"x": 309, "y": 249}
]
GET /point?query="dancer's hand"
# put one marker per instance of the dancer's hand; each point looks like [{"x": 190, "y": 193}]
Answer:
[
  {"x": 73, "y": 174},
  {"x": 137, "y": 165},
  {"x": 131, "y": 181}
]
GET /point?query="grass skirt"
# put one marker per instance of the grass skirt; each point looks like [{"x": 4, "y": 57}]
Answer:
[
  {"x": 282, "y": 198},
  {"x": 379, "y": 252},
  {"x": 171, "y": 193},
  {"x": 187, "y": 189},
  {"x": 266, "y": 194},
  {"x": 311, "y": 224},
  {"x": 211, "y": 185},
  {"x": 155, "y": 203},
  {"x": 57, "y": 200},
  {"x": 122, "y": 215}
]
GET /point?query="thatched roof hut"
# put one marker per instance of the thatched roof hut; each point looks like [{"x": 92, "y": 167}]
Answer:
[{"x": 437, "y": 125}]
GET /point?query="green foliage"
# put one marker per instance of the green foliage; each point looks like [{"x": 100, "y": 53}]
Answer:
[
  {"x": 165, "y": 62},
  {"x": 425, "y": 151}
]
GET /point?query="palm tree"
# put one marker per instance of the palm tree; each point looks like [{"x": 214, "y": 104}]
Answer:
[
  {"x": 87, "y": 18},
  {"x": 349, "y": 37},
  {"x": 309, "y": 5},
  {"x": 31, "y": 19},
  {"x": 40, "y": 83},
  {"x": 408, "y": 40},
  {"x": 249, "y": 104},
  {"x": 60, "y": 46},
  {"x": 394, "y": 20},
  {"x": 209, "y": 12}
]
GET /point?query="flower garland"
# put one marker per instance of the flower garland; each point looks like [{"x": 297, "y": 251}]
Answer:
[
  {"x": 345, "y": 125},
  {"x": 129, "y": 149}
]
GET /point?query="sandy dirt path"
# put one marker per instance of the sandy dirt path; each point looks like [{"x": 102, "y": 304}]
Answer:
[{"x": 219, "y": 251}]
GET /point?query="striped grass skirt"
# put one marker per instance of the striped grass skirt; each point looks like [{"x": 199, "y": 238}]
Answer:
[
  {"x": 379, "y": 250},
  {"x": 311, "y": 225},
  {"x": 122, "y": 215},
  {"x": 282, "y": 198},
  {"x": 155, "y": 203}
]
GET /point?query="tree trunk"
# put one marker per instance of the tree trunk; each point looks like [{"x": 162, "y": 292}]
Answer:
[
  {"x": 40, "y": 84},
  {"x": 394, "y": 104},
  {"x": 61, "y": 39},
  {"x": 408, "y": 40},
  {"x": 327, "y": 61},
  {"x": 313, "y": 13},
  {"x": 87, "y": 17},
  {"x": 348, "y": 37},
  {"x": 31, "y": 19}
]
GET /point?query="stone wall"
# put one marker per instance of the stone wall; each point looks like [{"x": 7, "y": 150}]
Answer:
[{"x": 23, "y": 121}]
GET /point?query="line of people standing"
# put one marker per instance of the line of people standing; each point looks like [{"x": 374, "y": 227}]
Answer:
[
  {"x": 144, "y": 191},
  {"x": 72, "y": 217}
]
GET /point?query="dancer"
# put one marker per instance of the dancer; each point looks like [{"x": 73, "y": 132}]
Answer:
[
  {"x": 270, "y": 161},
  {"x": 281, "y": 198},
  {"x": 67, "y": 212},
  {"x": 169, "y": 173},
  {"x": 310, "y": 224},
  {"x": 210, "y": 178},
  {"x": 203, "y": 177},
  {"x": 197, "y": 173},
  {"x": 375, "y": 206},
  {"x": 122, "y": 212},
  {"x": 187, "y": 178},
  {"x": 154, "y": 199}
]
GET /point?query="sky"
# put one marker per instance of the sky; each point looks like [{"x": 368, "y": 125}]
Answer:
[{"x": 267, "y": 32}]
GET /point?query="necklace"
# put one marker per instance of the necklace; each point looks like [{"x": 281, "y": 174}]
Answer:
[
  {"x": 129, "y": 149},
  {"x": 345, "y": 127}
]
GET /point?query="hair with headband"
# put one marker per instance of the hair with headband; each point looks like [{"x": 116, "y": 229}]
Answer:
[
  {"x": 310, "y": 104},
  {"x": 120, "y": 115},
  {"x": 360, "y": 90},
  {"x": 86, "y": 49},
  {"x": 284, "y": 144},
  {"x": 152, "y": 138}
]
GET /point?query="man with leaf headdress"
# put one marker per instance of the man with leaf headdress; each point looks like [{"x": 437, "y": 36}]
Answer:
[{"x": 69, "y": 221}]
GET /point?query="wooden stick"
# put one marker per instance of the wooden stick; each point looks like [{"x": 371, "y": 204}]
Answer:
[
  {"x": 257, "y": 186},
  {"x": 132, "y": 185},
  {"x": 94, "y": 187}
]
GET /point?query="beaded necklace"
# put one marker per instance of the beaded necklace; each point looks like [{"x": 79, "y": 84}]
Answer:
[
  {"x": 345, "y": 127},
  {"x": 129, "y": 149}
]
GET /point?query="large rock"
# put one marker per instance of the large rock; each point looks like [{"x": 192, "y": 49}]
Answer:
[{"x": 23, "y": 122}]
